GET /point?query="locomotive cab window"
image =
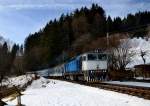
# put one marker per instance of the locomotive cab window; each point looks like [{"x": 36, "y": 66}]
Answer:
[
  {"x": 102, "y": 56},
  {"x": 92, "y": 57}
]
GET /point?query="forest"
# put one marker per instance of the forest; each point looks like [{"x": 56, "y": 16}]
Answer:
[
  {"x": 9, "y": 60},
  {"x": 83, "y": 30}
]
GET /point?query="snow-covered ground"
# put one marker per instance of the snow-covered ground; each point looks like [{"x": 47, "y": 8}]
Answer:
[
  {"x": 142, "y": 84},
  {"x": 46, "y": 92},
  {"x": 18, "y": 81}
]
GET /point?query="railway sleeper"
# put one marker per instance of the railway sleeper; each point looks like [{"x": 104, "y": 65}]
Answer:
[{"x": 122, "y": 90}]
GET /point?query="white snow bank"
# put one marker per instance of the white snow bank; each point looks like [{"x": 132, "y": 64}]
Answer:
[
  {"x": 42, "y": 82},
  {"x": 61, "y": 93},
  {"x": 142, "y": 84},
  {"x": 18, "y": 81},
  {"x": 138, "y": 44}
]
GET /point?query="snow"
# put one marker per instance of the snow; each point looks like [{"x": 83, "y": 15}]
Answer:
[
  {"x": 142, "y": 84},
  {"x": 18, "y": 81},
  {"x": 141, "y": 78},
  {"x": 138, "y": 44},
  {"x": 46, "y": 92}
]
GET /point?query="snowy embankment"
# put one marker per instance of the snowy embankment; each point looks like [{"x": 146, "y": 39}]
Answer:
[
  {"x": 137, "y": 45},
  {"x": 46, "y": 92},
  {"x": 19, "y": 81}
]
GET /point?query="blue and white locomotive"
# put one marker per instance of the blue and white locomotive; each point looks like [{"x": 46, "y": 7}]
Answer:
[{"x": 89, "y": 66}]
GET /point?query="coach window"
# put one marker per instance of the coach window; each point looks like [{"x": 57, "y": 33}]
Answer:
[{"x": 92, "y": 57}]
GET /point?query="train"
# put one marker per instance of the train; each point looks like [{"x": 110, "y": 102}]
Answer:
[{"x": 90, "y": 66}]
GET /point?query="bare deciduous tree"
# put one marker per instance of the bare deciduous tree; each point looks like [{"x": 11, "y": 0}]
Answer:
[
  {"x": 143, "y": 54},
  {"x": 121, "y": 56}
]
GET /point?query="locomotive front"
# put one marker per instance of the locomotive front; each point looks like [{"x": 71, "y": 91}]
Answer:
[
  {"x": 94, "y": 61},
  {"x": 94, "y": 66}
]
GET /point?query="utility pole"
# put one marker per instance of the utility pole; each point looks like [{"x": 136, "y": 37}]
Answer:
[{"x": 107, "y": 38}]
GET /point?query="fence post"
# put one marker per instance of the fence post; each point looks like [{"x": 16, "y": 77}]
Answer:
[
  {"x": 19, "y": 100},
  {"x": 18, "y": 97}
]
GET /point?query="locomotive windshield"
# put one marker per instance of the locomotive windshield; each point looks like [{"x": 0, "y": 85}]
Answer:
[
  {"x": 97, "y": 56},
  {"x": 102, "y": 57}
]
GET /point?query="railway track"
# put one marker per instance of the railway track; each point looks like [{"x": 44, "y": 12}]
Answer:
[
  {"x": 142, "y": 92},
  {"x": 139, "y": 91}
]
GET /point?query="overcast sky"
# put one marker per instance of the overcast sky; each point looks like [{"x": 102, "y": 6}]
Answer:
[{"x": 18, "y": 18}]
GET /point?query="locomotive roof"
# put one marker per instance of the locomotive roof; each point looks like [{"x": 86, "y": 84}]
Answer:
[
  {"x": 93, "y": 53},
  {"x": 78, "y": 56}
]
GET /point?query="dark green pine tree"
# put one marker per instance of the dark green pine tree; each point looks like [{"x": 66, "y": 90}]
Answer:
[
  {"x": 117, "y": 24},
  {"x": 4, "y": 61},
  {"x": 98, "y": 26},
  {"x": 109, "y": 25},
  {"x": 14, "y": 51}
]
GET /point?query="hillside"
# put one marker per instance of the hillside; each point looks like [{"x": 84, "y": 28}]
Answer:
[{"x": 73, "y": 33}]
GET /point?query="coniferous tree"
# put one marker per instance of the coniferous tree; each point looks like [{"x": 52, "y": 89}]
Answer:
[{"x": 109, "y": 24}]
